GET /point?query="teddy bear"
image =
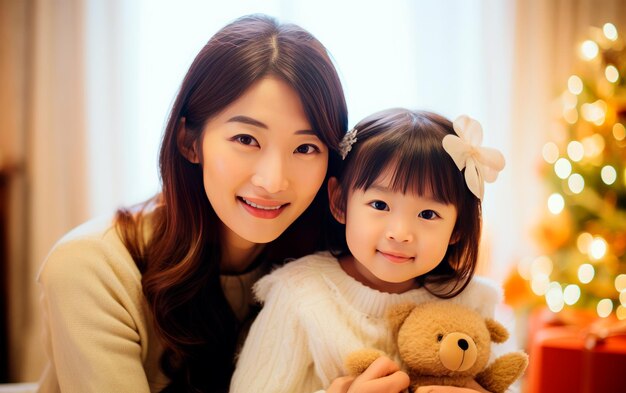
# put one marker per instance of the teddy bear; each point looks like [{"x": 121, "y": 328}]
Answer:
[{"x": 444, "y": 343}]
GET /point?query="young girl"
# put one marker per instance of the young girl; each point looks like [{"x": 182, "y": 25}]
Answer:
[
  {"x": 409, "y": 205},
  {"x": 157, "y": 298}
]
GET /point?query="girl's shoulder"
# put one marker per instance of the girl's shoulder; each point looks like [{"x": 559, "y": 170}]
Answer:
[
  {"x": 481, "y": 294},
  {"x": 299, "y": 274}
]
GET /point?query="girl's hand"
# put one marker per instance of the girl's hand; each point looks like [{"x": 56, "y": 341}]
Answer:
[
  {"x": 472, "y": 387},
  {"x": 383, "y": 375}
]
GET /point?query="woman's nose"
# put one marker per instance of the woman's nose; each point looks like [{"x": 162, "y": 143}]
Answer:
[{"x": 270, "y": 174}]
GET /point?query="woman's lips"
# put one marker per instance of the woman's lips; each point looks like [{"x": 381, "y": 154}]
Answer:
[{"x": 262, "y": 208}]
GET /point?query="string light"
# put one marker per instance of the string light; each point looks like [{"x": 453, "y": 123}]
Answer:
[
  {"x": 586, "y": 272},
  {"x": 575, "y": 84},
  {"x": 571, "y": 294},
  {"x": 597, "y": 248},
  {"x": 583, "y": 242},
  {"x": 589, "y": 49},
  {"x": 620, "y": 313},
  {"x": 576, "y": 183},
  {"x": 608, "y": 175},
  {"x": 575, "y": 151},
  {"x": 610, "y": 31},
  {"x": 619, "y": 131},
  {"x": 554, "y": 297},
  {"x": 562, "y": 168},
  {"x": 605, "y": 306},
  {"x": 550, "y": 152},
  {"x": 611, "y": 73},
  {"x": 620, "y": 283},
  {"x": 556, "y": 203}
]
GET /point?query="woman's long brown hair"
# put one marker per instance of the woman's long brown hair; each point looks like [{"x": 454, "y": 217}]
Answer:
[{"x": 179, "y": 261}]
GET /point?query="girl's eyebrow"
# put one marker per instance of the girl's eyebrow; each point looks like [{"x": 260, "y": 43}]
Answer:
[{"x": 256, "y": 123}]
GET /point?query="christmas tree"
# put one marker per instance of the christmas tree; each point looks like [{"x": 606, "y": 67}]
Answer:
[{"x": 583, "y": 233}]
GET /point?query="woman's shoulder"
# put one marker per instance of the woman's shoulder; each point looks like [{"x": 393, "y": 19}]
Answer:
[{"x": 93, "y": 248}]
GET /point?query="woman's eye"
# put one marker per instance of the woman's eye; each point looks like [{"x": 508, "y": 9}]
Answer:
[
  {"x": 379, "y": 205},
  {"x": 428, "y": 215},
  {"x": 245, "y": 140},
  {"x": 307, "y": 149}
]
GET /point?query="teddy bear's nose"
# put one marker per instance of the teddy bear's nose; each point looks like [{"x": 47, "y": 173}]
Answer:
[{"x": 463, "y": 344}]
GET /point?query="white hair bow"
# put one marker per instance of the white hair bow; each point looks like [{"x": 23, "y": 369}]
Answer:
[{"x": 481, "y": 163}]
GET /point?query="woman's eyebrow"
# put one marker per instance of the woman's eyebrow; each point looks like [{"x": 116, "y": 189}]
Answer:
[{"x": 253, "y": 122}]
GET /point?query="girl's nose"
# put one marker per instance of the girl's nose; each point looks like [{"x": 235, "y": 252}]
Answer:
[
  {"x": 270, "y": 174},
  {"x": 400, "y": 232}
]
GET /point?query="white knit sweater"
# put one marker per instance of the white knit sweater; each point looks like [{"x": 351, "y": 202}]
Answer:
[{"x": 314, "y": 314}]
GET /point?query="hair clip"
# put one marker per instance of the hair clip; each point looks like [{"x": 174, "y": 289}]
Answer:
[
  {"x": 481, "y": 163},
  {"x": 346, "y": 143}
]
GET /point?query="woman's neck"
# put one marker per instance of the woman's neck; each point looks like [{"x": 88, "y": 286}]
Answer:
[{"x": 237, "y": 253}]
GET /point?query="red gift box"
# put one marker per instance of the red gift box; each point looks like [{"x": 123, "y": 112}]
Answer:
[{"x": 560, "y": 362}]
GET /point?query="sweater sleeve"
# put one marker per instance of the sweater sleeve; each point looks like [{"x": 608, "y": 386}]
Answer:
[
  {"x": 275, "y": 357},
  {"x": 90, "y": 311}
]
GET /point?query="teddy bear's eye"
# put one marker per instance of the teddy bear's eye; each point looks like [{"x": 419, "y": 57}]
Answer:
[{"x": 439, "y": 337}]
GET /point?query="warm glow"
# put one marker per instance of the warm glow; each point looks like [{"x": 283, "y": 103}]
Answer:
[
  {"x": 570, "y": 115},
  {"x": 550, "y": 152},
  {"x": 554, "y": 297},
  {"x": 576, "y": 183},
  {"x": 622, "y": 298},
  {"x": 541, "y": 266},
  {"x": 523, "y": 268},
  {"x": 539, "y": 284},
  {"x": 556, "y": 203},
  {"x": 575, "y": 84},
  {"x": 589, "y": 49},
  {"x": 562, "y": 168},
  {"x": 594, "y": 145},
  {"x": 619, "y": 131},
  {"x": 609, "y": 31},
  {"x": 583, "y": 242},
  {"x": 620, "y": 283},
  {"x": 605, "y": 306},
  {"x": 594, "y": 112},
  {"x": 611, "y": 73},
  {"x": 571, "y": 294},
  {"x": 597, "y": 248},
  {"x": 586, "y": 273},
  {"x": 575, "y": 151},
  {"x": 569, "y": 99},
  {"x": 608, "y": 175}
]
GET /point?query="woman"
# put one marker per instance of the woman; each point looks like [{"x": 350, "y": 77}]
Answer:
[{"x": 157, "y": 298}]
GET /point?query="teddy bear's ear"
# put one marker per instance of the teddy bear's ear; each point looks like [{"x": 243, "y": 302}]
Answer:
[
  {"x": 498, "y": 333},
  {"x": 397, "y": 314}
]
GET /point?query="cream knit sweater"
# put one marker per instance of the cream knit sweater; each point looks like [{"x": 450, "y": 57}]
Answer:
[
  {"x": 314, "y": 314},
  {"x": 98, "y": 328}
]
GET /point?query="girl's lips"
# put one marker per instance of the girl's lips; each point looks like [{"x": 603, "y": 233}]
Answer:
[
  {"x": 262, "y": 208},
  {"x": 395, "y": 258}
]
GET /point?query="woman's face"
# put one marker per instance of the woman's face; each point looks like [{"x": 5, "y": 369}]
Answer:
[{"x": 262, "y": 163}]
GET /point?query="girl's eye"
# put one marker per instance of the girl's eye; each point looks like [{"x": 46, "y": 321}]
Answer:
[
  {"x": 428, "y": 215},
  {"x": 307, "y": 149},
  {"x": 245, "y": 140},
  {"x": 379, "y": 205}
]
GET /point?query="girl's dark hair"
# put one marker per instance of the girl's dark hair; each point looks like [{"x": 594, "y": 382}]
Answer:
[
  {"x": 179, "y": 260},
  {"x": 409, "y": 144}
]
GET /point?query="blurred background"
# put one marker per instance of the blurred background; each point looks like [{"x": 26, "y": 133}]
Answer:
[{"x": 86, "y": 86}]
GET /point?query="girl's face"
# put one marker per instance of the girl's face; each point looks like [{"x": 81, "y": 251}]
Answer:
[
  {"x": 395, "y": 237},
  {"x": 262, "y": 163}
]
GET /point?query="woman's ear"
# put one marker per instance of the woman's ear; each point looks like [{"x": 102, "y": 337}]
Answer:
[
  {"x": 187, "y": 143},
  {"x": 334, "y": 196}
]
